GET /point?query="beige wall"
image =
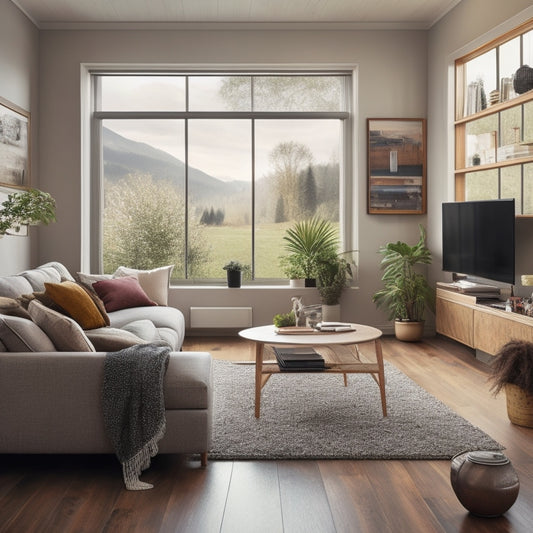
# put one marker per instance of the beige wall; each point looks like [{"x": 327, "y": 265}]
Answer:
[{"x": 19, "y": 54}]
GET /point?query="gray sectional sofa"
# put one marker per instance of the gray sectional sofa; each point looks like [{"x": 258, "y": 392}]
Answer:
[{"x": 51, "y": 368}]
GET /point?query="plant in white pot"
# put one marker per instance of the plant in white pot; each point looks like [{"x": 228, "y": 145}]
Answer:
[
  {"x": 29, "y": 207},
  {"x": 334, "y": 275},
  {"x": 406, "y": 292}
]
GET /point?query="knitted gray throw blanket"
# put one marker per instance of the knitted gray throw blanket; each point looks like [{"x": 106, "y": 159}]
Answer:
[{"x": 134, "y": 407}]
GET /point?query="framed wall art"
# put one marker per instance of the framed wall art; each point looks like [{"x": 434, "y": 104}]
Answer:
[
  {"x": 14, "y": 146},
  {"x": 396, "y": 166}
]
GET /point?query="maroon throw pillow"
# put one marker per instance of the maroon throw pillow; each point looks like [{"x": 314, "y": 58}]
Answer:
[{"x": 121, "y": 293}]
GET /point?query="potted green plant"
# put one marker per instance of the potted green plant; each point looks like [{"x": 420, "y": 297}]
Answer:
[
  {"x": 307, "y": 243},
  {"x": 234, "y": 270},
  {"x": 334, "y": 275},
  {"x": 29, "y": 207},
  {"x": 512, "y": 370},
  {"x": 292, "y": 267},
  {"x": 406, "y": 292}
]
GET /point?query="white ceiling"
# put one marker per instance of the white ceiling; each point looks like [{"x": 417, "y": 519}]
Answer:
[{"x": 57, "y": 14}]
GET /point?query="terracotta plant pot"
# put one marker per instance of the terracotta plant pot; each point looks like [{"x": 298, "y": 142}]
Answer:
[{"x": 408, "y": 331}]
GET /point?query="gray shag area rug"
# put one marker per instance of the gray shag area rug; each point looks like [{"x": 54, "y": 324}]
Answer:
[{"x": 313, "y": 416}]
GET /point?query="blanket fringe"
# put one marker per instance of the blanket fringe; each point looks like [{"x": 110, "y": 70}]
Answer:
[{"x": 133, "y": 467}]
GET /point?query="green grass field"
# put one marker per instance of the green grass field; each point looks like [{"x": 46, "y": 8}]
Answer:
[{"x": 235, "y": 243}]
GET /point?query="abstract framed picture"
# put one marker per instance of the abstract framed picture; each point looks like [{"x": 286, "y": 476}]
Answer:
[
  {"x": 396, "y": 166},
  {"x": 14, "y": 146}
]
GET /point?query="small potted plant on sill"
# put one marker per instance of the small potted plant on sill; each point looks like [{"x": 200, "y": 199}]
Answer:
[
  {"x": 307, "y": 243},
  {"x": 234, "y": 270},
  {"x": 406, "y": 292},
  {"x": 512, "y": 370},
  {"x": 29, "y": 207}
]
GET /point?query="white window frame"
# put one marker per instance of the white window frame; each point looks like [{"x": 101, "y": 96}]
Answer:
[{"x": 92, "y": 168}]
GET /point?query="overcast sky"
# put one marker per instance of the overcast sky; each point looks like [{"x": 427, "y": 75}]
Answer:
[{"x": 220, "y": 148}]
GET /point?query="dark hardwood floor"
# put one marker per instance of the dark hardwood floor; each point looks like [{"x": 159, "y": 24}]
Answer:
[{"x": 86, "y": 494}]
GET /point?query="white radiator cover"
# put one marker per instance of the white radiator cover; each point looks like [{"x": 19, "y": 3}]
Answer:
[{"x": 221, "y": 317}]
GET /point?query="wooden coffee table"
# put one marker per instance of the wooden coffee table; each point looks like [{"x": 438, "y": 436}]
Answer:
[{"x": 343, "y": 353}]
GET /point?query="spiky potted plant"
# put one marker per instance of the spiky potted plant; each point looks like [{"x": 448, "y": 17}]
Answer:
[
  {"x": 307, "y": 243},
  {"x": 406, "y": 292}
]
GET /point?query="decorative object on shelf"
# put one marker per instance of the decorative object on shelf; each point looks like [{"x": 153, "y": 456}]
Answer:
[
  {"x": 523, "y": 79},
  {"x": 512, "y": 370},
  {"x": 396, "y": 166},
  {"x": 25, "y": 208},
  {"x": 476, "y": 160},
  {"x": 485, "y": 482},
  {"x": 297, "y": 309},
  {"x": 234, "y": 270},
  {"x": 406, "y": 292},
  {"x": 308, "y": 242},
  {"x": 14, "y": 145}
]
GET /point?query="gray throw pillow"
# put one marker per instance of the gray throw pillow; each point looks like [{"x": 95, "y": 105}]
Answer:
[
  {"x": 22, "y": 335},
  {"x": 65, "y": 333}
]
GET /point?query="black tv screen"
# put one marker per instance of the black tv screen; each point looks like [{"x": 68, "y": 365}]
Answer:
[{"x": 478, "y": 239}]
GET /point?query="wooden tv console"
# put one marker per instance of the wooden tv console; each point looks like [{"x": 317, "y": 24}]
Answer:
[{"x": 484, "y": 328}]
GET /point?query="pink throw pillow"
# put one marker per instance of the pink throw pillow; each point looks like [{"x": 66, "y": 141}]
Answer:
[{"x": 121, "y": 293}]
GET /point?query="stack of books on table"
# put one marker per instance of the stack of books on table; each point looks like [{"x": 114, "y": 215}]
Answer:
[
  {"x": 334, "y": 326},
  {"x": 298, "y": 358}
]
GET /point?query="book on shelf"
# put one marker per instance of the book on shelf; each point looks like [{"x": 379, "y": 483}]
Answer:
[{"x": 300, "y": 358}]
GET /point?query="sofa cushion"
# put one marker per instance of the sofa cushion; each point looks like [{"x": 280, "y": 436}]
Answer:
[
  {"x": 122, "y": 293},
  {"x": 10, "y": 306},
  {"x": 154, "y": 282},
  {"x": 22, "y": 335},
  {"x": 37, "y": 277},
  {"x": 187, "y": 381},
  {"x": 61, "y": 269},
  {"x": 89, "y": 279},
  {"x": 77, "y": 303},
  {"x": 112, "y": 339},
  {"x": 65, "y": 333},
  {"x": 143, "y": 329},
  {"x": 14, "y": 286}
]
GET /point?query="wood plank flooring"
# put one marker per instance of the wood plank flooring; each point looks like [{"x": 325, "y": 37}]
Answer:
[{"x": 85, "y": 493}]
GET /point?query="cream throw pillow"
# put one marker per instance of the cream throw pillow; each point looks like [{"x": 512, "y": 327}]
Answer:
[{"x": 154, "y": 282}]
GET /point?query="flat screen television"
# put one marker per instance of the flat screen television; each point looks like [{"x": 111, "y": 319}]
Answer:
[{"x": 478, "y": 239}]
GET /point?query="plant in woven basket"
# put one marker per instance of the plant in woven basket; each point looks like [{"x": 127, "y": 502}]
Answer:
[{"x": 514, "y": 365}]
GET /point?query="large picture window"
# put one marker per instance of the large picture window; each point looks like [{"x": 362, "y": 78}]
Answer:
[{"x": 196, "y": 169}]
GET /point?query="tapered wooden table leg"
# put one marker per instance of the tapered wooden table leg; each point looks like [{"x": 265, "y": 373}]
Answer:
[
  {"x": 258, "y": 376},
  {"x": 381, "y": 374}
]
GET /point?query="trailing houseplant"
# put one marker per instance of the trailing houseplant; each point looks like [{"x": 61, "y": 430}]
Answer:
[
  {"x": 512, "y": 370},
  {"x": 406, "y": 292},
  {"x": 29, "y": 207},
  {"x": 308, "y": 242}
]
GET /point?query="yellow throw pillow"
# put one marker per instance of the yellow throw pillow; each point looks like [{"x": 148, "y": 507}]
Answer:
[{"x": 77, "y": 303}]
